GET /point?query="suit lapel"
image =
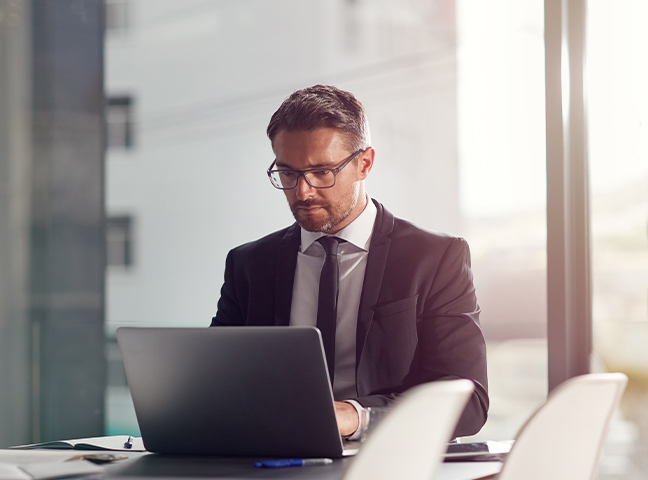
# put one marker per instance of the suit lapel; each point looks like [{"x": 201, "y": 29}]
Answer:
[
  {"x": 376, "y": 261},
  {"x": 286, "y": 264}
]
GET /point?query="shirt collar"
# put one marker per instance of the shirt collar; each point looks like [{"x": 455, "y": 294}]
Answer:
[{"x": 357, "y": 233}]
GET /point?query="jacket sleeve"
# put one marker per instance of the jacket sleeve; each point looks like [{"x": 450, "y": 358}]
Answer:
[
  {"x": 230, "y": 310},
  {"x": 448, "y": 337}
]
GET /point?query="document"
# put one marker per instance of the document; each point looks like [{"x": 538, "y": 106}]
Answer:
[
  {"x": 115, "y": 443},
  {"x": 43, "y": 471},
  {"x": 42, "y": 465}
]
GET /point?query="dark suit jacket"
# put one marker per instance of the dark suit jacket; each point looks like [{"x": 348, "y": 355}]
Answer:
[{"x": 418, "y": 319}]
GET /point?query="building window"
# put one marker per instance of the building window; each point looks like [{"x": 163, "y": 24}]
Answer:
[
  {"x": 119, "y": 241},
  {"x": 119, "y": 121},
  {"x": 115, "y": 366},
  {"x": 117, "y": 16}
]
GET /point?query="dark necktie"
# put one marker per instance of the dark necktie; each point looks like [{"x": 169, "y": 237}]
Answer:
[{"x": 327, "y": 300}]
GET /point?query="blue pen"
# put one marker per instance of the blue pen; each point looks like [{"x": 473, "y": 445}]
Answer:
[{"x": 294, "y": 462}]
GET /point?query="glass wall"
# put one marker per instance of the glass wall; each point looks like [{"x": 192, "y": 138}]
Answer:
[
  {"x": 617, "y": 68},
  {"x": 501, "y": 143}
]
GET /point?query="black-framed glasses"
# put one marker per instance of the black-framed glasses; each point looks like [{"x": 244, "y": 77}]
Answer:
[{"x": 315, "y": 177}]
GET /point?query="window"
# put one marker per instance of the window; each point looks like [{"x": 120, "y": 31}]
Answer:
[
  {"x": 119, "y": 241},
  {"x": 119, "y": 122},
  {"x": 617, "y": 51},
  {"x": 116, "y": 372},
  {"x": 117, "y": 16}
]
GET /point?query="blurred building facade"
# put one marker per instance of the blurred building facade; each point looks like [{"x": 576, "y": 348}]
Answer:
[{"x": 52, "y": 263}]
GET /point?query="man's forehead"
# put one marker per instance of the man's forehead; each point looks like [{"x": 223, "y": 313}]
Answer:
[
  {"x": 311, "y": 136},
  {"x": 317, "y": 147}
]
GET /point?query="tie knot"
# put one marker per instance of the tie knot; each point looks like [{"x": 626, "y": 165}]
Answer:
[{"x": 330, "y": 244}]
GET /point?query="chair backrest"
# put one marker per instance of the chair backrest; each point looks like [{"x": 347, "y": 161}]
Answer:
[
  {"x": 565, "y": 436},
  {"x": 412, "y": 439}
]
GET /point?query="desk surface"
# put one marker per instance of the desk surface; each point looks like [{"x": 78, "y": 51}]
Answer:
[
  {"x": 147, "y": 466},
  {"x": 171, "y": 466},
  {"x": 166, "y": 466}
]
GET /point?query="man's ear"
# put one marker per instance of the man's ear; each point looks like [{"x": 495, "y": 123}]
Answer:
[{"x": 365, "y": 162}]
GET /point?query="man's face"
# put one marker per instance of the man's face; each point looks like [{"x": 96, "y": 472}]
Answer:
[{"x": 323, "y": 209}]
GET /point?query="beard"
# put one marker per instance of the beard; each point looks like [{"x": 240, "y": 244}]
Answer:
[{"x": 333, "y": 216}]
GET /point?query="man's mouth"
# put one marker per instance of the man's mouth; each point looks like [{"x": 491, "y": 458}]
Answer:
[{"x": 307, "y": 207}]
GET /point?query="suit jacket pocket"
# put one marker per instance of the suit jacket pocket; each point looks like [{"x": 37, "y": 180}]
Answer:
[{"x": 398, "y": 306}]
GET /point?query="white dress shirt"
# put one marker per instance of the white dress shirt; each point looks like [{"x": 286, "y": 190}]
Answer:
[{"x": 352, "y": 260}]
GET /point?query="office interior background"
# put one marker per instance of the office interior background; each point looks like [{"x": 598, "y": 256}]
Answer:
[{"x": 133, "y": 157}]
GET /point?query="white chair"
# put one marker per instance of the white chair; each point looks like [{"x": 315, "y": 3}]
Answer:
[
  {"x": 409, "y": 443},
  {"x": 564, "y": 437}
]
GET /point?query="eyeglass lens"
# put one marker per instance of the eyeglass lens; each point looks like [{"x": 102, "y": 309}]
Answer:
[{"x": 317, "y": 178}]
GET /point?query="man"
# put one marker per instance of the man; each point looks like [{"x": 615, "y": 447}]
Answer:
[{"x": 401, "y": 299}]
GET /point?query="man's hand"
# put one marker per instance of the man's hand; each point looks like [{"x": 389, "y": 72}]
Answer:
[{"x": 347, "y": 418}]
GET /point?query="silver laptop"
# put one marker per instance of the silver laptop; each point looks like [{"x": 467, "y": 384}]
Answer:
[{"x": 252, "y": 391}]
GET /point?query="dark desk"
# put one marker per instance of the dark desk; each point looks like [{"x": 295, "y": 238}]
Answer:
[
  {"x": 171, "y": 466},
  {"x": 146, "y": 466},
  {"x": 164, "y": 467}
]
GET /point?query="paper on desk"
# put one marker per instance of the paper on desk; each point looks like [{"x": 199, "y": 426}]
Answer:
[
  {"x": 12, "y": 472},
  {"x": 43, "y": 471},
  {"x": 24, "y": 457},
  {"x": 46, "y": 471},
  {"x": 42, "y": 464}
]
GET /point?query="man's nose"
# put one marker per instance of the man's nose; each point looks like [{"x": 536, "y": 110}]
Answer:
[{"x": 303, "y": 188}]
